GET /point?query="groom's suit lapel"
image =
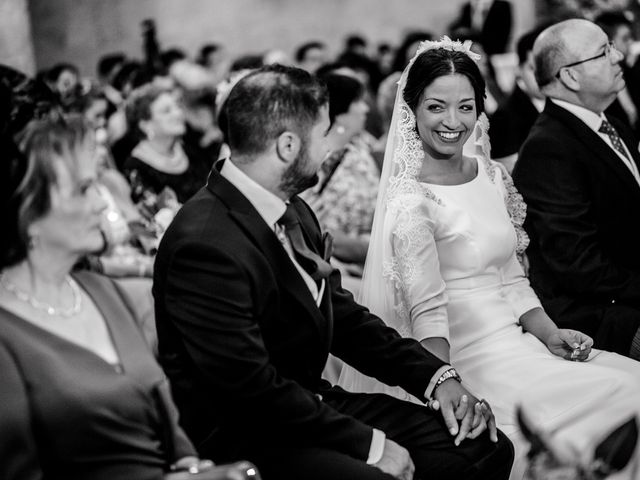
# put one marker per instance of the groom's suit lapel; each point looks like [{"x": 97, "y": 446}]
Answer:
[
  {"x": 261, "y": 235},
  {"x": 592, "y": 141}
]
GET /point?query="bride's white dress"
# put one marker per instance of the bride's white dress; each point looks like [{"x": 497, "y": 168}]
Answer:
[{"x": 456, "y": 276}]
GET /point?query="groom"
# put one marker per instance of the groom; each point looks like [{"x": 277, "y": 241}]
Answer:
[{"x": 248, "y": 309}]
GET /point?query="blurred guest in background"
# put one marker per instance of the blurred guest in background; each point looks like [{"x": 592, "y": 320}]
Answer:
[
  {"x": 247, "y": 62},
  {"x": 215, "y": 58},
  {"x": 122, "y": 258},
  {"x": 159, "y": 164},
  {"x": 495, "y": 94},
  {"x": 108, "y": 67},
  {"x": 345, "y": 197},
  {"x": 202, "y": 136},
  {"x": 491, "y": 20},
  {"x": 64, "y": 80},
  {"x": 385, "y": 55},
  {"x": 355, "y": 44},
  {"x": 384, "y": 101},
  {"x": 311, "y": 56},
  {"x": 131, "y": 75},
  {"x": 511, "y": 122},
  {"x": 407, "y": 48}
]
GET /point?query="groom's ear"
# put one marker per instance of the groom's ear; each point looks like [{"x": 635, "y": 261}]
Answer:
[{"x": 288, "y": 145}]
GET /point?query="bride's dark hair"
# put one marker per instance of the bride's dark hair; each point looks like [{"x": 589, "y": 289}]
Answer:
[{"x": 439, "y": 62}]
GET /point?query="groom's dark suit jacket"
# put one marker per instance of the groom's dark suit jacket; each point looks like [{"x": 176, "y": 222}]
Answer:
[
  {"x": 244, "y": 344},
  {"x": 583, "y": 218}
]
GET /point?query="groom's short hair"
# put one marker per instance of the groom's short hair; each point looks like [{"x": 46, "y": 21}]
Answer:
[{"x": 270, "y": 101}]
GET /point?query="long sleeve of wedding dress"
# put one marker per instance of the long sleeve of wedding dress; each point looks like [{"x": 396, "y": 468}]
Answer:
[{"x": 420, "y": 290}]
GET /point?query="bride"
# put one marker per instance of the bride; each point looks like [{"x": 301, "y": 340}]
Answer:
[{"x": 443, "y": 267}]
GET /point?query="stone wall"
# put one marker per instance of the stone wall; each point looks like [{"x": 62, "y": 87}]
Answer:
[
  {"x": 16, "y": 48},
  {"x": 80, "y": 30}
]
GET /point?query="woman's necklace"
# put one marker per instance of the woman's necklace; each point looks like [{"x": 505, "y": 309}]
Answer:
[
  {"x": 45, "y": 307},
  {"x": 173, "y": 162}
]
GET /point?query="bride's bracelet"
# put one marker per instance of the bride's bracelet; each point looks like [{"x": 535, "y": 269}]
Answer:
[{"x": 450, "y": 373}]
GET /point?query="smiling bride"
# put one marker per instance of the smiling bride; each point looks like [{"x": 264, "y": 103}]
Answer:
[{"x": 443, "y": 267}]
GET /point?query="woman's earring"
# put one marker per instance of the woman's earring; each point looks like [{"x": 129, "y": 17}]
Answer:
[
  {"x": 340, "y": 130},
  {"x": 32, "y": 242}
]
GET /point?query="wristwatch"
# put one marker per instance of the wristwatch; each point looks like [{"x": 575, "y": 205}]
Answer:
[{"x": 450, "y": 373}]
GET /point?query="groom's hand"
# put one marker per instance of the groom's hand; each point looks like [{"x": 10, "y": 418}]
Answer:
[
  {"x": 464, "y": 415},
  {"x": 396, "y": 461}
]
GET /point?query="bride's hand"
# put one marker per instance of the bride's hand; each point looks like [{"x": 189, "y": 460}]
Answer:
[
  {"x": 570, "y": 344},
  {"x": 457, "y": 405}
]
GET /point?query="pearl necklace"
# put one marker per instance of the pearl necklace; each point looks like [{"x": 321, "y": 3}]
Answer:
[{"x": 45, "y": 307}]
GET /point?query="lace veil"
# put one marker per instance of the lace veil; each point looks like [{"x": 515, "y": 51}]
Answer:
[{"x": 381, "y": 289}]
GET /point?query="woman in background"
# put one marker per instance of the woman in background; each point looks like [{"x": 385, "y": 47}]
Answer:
[
  {"x": 345, "y": 195},
  {"x": 159, "y": 164}
]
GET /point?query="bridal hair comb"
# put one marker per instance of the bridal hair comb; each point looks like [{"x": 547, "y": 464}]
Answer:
[{"x": 448, "y": 44}]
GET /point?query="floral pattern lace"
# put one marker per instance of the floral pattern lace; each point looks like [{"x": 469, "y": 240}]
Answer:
[{"x": 403, "y": 269}]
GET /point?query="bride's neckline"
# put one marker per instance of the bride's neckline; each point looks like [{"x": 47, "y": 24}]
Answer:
[{"x": 467, "y": 182}]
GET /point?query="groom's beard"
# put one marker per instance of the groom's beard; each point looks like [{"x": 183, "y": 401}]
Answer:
[{"x": 297, "y": 177}]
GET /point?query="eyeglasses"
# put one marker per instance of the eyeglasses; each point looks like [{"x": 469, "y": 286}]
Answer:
[{"x": 609, "y": 47}]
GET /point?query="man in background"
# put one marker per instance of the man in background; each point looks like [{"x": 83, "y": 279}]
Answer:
[
  {"x": 512, "y": 121},
  {"x": 578, "y": 173}
]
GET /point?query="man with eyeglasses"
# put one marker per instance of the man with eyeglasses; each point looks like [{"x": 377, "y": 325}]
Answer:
[{"x": 578, "y": 173}]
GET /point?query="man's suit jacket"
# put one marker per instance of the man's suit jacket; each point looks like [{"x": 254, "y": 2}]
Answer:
[
  {"x": 495, "y": 29},
  {"x": 511, "y": 124},
  {"x": 583, "y": 212},
  {"x": 244, "y": 344}
]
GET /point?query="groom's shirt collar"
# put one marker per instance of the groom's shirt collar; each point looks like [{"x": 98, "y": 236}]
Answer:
[{"x": 269, "y": 206}]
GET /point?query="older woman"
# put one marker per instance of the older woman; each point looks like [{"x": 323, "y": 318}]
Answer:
[
  {"x": 159, "y": 162},
  {"x": 82, "y": 396}
]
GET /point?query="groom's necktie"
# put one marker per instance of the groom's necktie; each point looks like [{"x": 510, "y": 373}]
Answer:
[
  {"x": 313, "y": 263},
  {"x": 611, "y": 132}
]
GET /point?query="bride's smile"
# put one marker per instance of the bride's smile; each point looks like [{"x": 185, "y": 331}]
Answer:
[{"x": 446, "y": 116}]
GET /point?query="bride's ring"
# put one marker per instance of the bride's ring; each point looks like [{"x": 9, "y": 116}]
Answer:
[{"x": 433, "y": 405}]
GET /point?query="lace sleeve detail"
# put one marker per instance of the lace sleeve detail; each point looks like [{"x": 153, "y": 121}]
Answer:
[
  {"x": 414, "y": 271},
  {"x": 516, "y": 207}
]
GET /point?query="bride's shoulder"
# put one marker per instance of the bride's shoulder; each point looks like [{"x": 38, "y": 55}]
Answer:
[
  {"x": 496, "y": 171},
  {"x": 411, "y": 207},
  {"x": 411, "y": 199}
]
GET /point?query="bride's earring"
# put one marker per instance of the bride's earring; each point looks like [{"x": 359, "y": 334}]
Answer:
[{"x": 340, "y": 130}]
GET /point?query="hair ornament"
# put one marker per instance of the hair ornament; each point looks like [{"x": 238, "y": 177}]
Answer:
[{"x": 448, "y": 44}]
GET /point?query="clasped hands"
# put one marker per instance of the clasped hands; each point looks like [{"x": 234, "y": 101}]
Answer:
[
  {"x": 569, "y": 344},
  {"x": 464, "y": 415}
]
